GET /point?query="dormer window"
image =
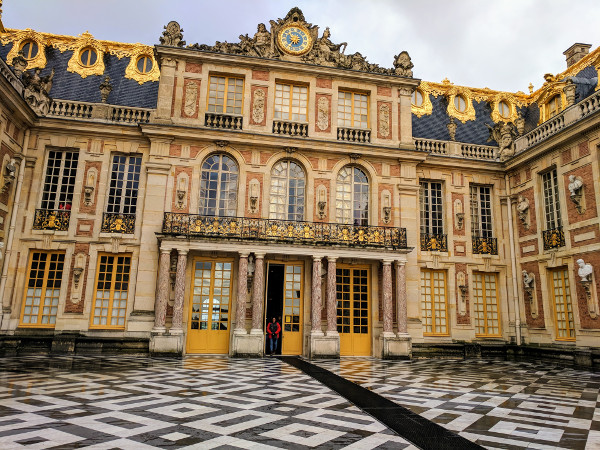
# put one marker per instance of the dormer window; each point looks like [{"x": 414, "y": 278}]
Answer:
[
  {"x": 460, "y": 103},
  {"x": 144, "y": 64},
  {"x": 417, "y": 98},
  {"x": 554, "y": 106},
  {"x": 29, "y": 48},
  {"x": 88, "y": 57},
  {"x": 504, "y": 109}
]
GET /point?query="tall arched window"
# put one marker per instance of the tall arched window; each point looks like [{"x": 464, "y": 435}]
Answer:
[
  {"x": 218, "y": 186},
  {"x": 287, "y": 191},
  {"x": 352, "y": 197}
]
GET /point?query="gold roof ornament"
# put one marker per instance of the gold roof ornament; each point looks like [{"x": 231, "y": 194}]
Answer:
[{"x": 18, "y": 39}]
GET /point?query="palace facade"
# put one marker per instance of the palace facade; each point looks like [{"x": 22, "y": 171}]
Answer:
[{"x": 173, "y": 199}]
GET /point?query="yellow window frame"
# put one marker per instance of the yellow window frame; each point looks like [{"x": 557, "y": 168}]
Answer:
[
  {"x": 225, "y": 94},
  {"x": 430, "y": 273},
  {"x": 567, "y": 302},
  {"x": 484, "y": 305},
  {"x": 111, "y": 297},
  {"x": 353, "y": 101},
  {"x": 290, "y": 98},
  {"x": 42, "y": 304}
]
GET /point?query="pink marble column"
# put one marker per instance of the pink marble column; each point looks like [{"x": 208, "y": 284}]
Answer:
[
  {"x": 162, "y": 294},
  {"x": 401, "y": 309},
  {"x": 258, "y": 292},
  {"x": 315, "y": 319},
  {"x": 388, "y": 312},
  {"x": 240, "y": 315},
  {"x": 331, "y": 295},
  {"x": 179, "y": 293}
]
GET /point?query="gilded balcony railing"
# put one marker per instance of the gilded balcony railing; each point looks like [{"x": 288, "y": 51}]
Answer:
[
  {"x": 434, "y": 242},
  {"x": 195, "y": 225},
  {"x": 485, "y": 245},
  {"x": 553, "y": 238},
  {"x": 118, "y": 223},
  {"x": 51, "y": 219}
]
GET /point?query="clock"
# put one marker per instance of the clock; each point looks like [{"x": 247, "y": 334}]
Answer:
[{"x": 295, "y": 39}]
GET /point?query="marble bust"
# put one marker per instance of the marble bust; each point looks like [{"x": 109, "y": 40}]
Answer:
[{"x": 585, "y": 270}]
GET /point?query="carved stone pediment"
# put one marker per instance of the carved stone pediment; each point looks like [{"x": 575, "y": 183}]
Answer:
[{"x": 294, "y": 39}]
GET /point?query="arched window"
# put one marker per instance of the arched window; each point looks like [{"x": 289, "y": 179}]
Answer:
[
  {"x": 287, "y": 191},
  {"x": 352, "y": 197},
  {"x": 218, "y": 186}
]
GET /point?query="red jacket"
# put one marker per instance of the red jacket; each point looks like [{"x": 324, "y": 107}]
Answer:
[{"x": 274, "y": 329}]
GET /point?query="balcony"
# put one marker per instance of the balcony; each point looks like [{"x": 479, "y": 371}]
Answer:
[
  {"x": 354, "y": 135},
  {"x": 223, "y": 121},
  {"x": 434, "y": 242},
  {"x": 50, "y": 219},
  {"x": 118, "y": 223},
  {"x": 290, "y": 128},
  {"x": 553, "y": 238},
  {"x": 485, "y": 245},
  {"x": 283, "y": 231}
]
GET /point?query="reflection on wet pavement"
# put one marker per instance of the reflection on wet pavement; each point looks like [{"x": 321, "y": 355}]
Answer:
[
  {"x": 130, "y": 402},
  {"x": 497, "y": 404}
]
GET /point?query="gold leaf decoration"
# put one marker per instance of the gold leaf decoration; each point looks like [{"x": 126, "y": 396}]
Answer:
[
  {"x": 132, "y": 71},
  {"x": 20, "y": 36}
]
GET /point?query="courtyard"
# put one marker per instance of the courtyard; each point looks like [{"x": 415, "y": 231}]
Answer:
[{"x": 201, "y": 402}]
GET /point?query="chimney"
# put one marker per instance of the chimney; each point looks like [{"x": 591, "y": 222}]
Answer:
[{"x": 575, "y": 52}]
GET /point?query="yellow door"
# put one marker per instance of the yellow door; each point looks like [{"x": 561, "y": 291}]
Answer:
[
  {"x": 208, "y": 329},
  {"x": 353, "y": 306},
  {"x": 291, "y": 343}
]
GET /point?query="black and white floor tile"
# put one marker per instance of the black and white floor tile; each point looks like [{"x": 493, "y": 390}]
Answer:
[
  {"x": 497, "y": 404},
  {"x": 144, "y": 403}
]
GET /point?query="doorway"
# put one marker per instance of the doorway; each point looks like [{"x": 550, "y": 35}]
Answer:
[{"x": 284, "y": 301}]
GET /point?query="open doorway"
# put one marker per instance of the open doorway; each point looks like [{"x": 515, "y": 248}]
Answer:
[{"x": 275, "y": 281}]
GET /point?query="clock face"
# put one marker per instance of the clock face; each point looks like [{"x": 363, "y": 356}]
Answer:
[{"x": 295, "y": 40}]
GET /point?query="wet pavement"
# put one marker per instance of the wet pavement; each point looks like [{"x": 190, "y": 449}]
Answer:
[{"x": 139, "y": 403}]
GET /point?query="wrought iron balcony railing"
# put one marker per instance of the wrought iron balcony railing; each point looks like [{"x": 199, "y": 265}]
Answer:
[
  {"x": 485, "y": 245},
  {"x": 118, "y": 223},
  {"x": 195, "y": 225},
  {"x": 434, "y": 242},
  {"x": 353, "y": 134},
  {"x": 290, "y": 128},
  {"x": 51, "y": 219},
  {"x": 226, "y": 121},
  {"x": 553, "y": 238}
]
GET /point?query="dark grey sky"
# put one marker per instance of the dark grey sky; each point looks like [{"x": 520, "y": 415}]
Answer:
[{"x": 483, "y": 43}]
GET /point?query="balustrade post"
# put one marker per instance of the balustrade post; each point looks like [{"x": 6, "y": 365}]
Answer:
[
  {"x": 176, "y": 327},
  {"x": 162, "y": 295},
  {"x": 316, "y": 303},
  {"x": 240, "y": 316},
  {"x": 258, "y": 293},
  {"x": 331, "y": 296}
]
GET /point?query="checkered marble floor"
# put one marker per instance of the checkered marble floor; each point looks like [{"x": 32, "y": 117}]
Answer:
[
  {"x": 497, "y": 404},
  {"x": 144, "y": 403}
]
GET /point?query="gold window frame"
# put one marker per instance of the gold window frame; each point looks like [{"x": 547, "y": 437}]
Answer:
[{"x": 109, "y": 315}]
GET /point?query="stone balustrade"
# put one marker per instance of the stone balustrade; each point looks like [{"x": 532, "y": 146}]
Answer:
[
  {"x": 10, "y": 76},
  {"x": 354, "y": 135},
  {"x": 431, "y": 146},
  {"x": 224, "y": 121},
  {"x": 67, "y": 108},
  {"x": 473, "y": 151},
  {"x": 130, "y": 115},
  {"x": 290, "y": 128}
]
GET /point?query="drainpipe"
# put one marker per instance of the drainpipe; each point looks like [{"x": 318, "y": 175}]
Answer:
[
  {"x": 13, "y": 221},
  {"x": 513, "y": 264}
]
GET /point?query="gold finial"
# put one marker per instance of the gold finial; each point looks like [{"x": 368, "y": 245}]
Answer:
[
  {"x": 530, "y": 88},
  {"x": 446, "y": 81}
]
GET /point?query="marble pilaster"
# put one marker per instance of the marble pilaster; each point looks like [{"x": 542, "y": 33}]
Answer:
[
  {"x": 401, "y": 305},
  {"x": 316, "y": 303},
  {"x": 388, "y": 312},
  {"x": 162, "y": 295},
  {"x": 331, "y": 296},
  {"x": 177, "y": 321},
  {"x": 240, "y": 316},
  {"x": 258, "y": 293}
]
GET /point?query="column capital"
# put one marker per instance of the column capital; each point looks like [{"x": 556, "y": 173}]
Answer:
[
  {"x": 259, "y": 255},
  {"x": 244, "y": 254},
  {"x": 317, "y": 258},
  {"x": 387, "y": 262},
  {"x": 165, "y": 250},
  {"x": 332, "y": 258},
  {"x": 182, "y": 251},
  {"x": 400, "y": 262}
]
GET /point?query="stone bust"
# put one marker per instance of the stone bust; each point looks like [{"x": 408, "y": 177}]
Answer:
[
  {"x": 527, "y": 280},
  {"x": 585, "y": 270},
  {"x": 575, "y": 184}
]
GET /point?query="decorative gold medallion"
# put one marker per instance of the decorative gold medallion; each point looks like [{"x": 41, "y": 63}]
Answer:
[{"x": 295, "y": 39}]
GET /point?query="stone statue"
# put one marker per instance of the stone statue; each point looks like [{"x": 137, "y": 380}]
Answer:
[
  {"x": 19, "y": 63},
  {"x": 327, "y": 51},
  {"x": 403, "y": 65},
  {"x": 173, "y": 35},
  {"x": 37, "y": 91},
  {"x": 570, "y": 91},
  {"x": 585, "y": 270},
  {"x": 575, "y": 185},
  {"x": 503, "y": 133},
  {"x": 522, "y": 209},
  {"x": 528, "y": 279},
  {"x": 452, "y": 129}
]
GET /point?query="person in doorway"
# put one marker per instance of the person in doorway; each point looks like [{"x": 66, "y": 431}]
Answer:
[{"x": 273, "y": 330}]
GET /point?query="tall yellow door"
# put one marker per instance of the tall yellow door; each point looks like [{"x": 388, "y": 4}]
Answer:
[
  {"x": 353, "y": 310},
  {"x": 208, "y": 324},
  {"x": 291, "y": 343}
]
